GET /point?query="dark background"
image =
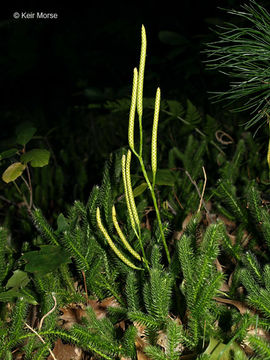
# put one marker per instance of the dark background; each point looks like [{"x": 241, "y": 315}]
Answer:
[
  {"x": 52, "y": 70},
  {"x": 88, "y": 54}
]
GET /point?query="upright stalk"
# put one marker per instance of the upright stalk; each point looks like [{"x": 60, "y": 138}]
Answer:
[
  {"x": 151, "y": 188},
  {"x": 137, "y": 103},
  {"x": 137, "y": 98}
]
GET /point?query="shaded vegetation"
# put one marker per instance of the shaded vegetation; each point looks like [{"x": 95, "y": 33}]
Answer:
[{"x": 164, "y": 254}]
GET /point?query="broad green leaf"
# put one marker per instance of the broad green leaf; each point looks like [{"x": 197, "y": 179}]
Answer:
[
  {"x": 140, "y": 189},
  {"x": 13, "y": 172},
  {"x": 36, "y": 157},
  {"x": 19, "y": 279},
  {"x": 24, "y": 133},
  {"x": 45, "y": 260},
  {"x": 62, "y": 223},
  {"x": 8, "y": 153},
  {"x": 13, "y": 294},
  {"x": 220, "y": 351},
  {"x": 163, "y": 177}
]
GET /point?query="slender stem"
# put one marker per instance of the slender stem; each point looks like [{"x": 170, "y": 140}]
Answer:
[
  {"x": 143, "y": 252},
  {"x": 41, "y": 339},
  {"x": 48, "y": 313},
  {"x": 156, "y": 208},
  {"x": 26, "y": 183},
  {"x": 203, "y": 190},
  {"x": 160, "y": 225},
  {"x": 30, "y": 187},
  {"x": 17, "y": 187},
  {"x": 151, "y": 188},
  {"x": 24, "y": 198},
  {"x": 7, "y": 200},
  {"x": 85, "y": 286},
  {"x": 198, "y": 191}
]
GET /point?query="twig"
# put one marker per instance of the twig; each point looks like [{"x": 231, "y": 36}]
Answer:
[
  {"x": 48, "y": 313},
  {"x": 41, "y": 339},
  {"x": 198, "y": 191},
  {"x": 8, "y": 201},
  {"x": 220, "y": 135},
  {"x": 203, "y": 190},
  {"x": 178, "y": 201},
  {"x": 85, "y": 286}
]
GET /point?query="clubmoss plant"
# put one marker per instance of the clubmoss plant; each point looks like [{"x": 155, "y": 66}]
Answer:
[
  {"x": 137, "y": 102},
  {"x": 159, "y": 310}
]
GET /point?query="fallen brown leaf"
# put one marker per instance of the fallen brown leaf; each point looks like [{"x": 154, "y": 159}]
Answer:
[
  {"x": 186, "y": 221},
  {"x": 243, "y": 308},
  {"x": 73, "y": 313},
  {"x": 142, "y": 356},
  {"x": 66, "y": 352}
]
